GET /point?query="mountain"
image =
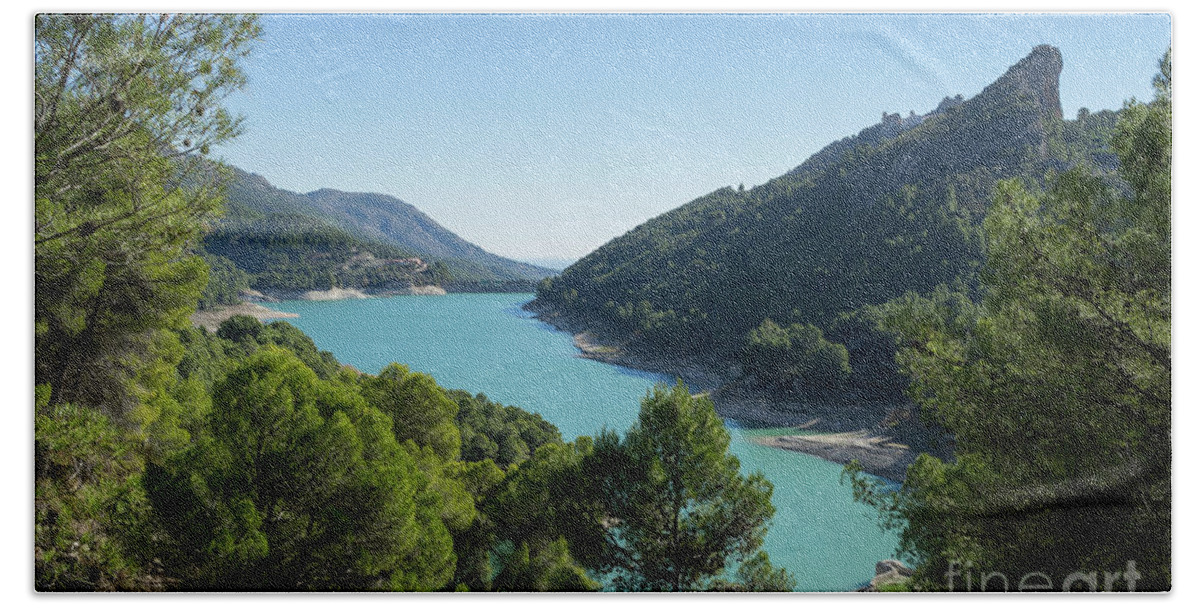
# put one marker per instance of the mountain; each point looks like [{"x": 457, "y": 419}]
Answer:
[
  {"x": 286, "y": 241},
  {"x": 391, "y": 220},
  {"x": 892, "y": 209}
]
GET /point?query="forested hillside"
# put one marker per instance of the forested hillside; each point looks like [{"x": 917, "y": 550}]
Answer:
[
  {"x": 1010, "y": 268},
  {"x": 896, "y": 208},
  {"x": 391, "y": 220},
  {"x": 284, "y": 253},
  {"x": 288, "y": 242}
]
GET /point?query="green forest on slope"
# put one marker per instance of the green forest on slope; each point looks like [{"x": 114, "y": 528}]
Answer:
[
  {"x": 291, "y": 253},
  {"x": 390, "y": 220},
  {"x": 896, "y": 208},
  {"x": 171, "y": 458},
  {"x": 286, "y": 242}
]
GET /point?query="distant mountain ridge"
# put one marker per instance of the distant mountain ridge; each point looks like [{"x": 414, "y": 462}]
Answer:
[
  {"x": 392, "y": 220},
  {"x": 351, "y": 236}
]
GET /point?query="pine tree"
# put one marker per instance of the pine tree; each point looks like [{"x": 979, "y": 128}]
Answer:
[
  {"x": 125, "y": 108},
  {"x": 679, "y": 508}
]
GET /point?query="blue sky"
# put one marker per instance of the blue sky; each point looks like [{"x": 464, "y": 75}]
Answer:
[{"x": 544, "y": 136}]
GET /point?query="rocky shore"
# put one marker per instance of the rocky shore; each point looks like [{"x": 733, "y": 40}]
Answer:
[
  {"x": 877, "y": 454},
  {"x": 333, "y": 293},
  {"x": 837, "y": 431},
  {"x": 890, "y": 575},
  {"x": 252, "y": 304},
  {"x": 211, "y": 319},
  {"x": 694, "y": 374}
]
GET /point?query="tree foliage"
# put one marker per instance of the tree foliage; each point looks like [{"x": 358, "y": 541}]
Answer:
[
  {"x": 123, "y": 107},
  {"x": 248, "y": 334},
  {"x": 302, "y": 486},
  {"x": 420, "y": 409},
  {"x": 679, "y": 508},
  {"x": 550, "y": 499},
  {"x": 225, "y": 284},
  {"x": 503, "y": 434},
  {"x": 89, "y": 506},
  {"x": 795, "y": 357},
  {"x": 549, "y": 569},
  {"x": 1057, "y": 385},
  {"x": 757, "y": 575}
]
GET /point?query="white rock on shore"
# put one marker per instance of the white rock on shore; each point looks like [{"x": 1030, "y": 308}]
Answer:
[
  {"x": 212, "y": 319},
  {"x": 878, "y": 455},
  {"x": 334, "y": 293},
  {"x": 425, "y": 290},
  {"x": 340, "y": 293}
]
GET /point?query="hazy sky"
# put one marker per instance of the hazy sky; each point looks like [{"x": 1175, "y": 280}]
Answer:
[{"x": 544, "y": 136}]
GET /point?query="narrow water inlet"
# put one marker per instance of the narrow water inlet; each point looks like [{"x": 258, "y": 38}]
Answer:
[{"x": 485, "y": 343}]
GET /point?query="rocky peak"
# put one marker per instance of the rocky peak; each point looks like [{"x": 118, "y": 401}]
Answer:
[
  {"x": 993, "y": 127},
  {"x": 1034, "y": 77}
]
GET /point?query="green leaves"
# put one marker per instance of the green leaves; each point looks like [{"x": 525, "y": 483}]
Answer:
[
  {"x": 503, "y": 434},
  {"x": 89, "y": 509},
  {"x": 757, "y": 575},
  {"x": 795, "y": 357},
  {"x": 548, "y": 569},
  {"x": 302, "y": 486},
  {"x": 119, "y": 200},
  {"x": 664, "y": 508},
  {"x": 1056, "y": 385},
  {"x": 420, "y": 408},
  {"x": 225, "y": 283},
  {"x": 679, "y": 508}
]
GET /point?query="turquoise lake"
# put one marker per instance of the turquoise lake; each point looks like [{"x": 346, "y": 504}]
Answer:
[{"x": 485, "y": 343}]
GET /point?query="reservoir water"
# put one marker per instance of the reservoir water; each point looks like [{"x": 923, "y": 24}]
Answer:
[{"x": 485, "y": 343}]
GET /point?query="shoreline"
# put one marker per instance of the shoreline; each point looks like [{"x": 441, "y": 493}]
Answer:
[
  {"x": 341, "y": 293},
  {"x": 841, "y": 432},
  {"x": 353, "y": 293},
  {"x": 213, "y": 318},
  {"x": 877, "y": 454},
  {"x": 253, "y": 300}
]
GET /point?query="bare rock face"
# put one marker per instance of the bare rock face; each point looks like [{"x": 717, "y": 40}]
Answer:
[
  {"x": 1020, "y": 106},
  {"x": 1035, "y": 78},
  {"x": 1007, "y": 125},
  {"x": 891, "y": 565},
  {"x": 993, "y": 129},
  {"x": 889, "y": 572}
]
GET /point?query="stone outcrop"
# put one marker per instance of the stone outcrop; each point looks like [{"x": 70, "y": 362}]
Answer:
[
  {"x": 888, "y": 572},
  {"x": 1035, "y": 77}
]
